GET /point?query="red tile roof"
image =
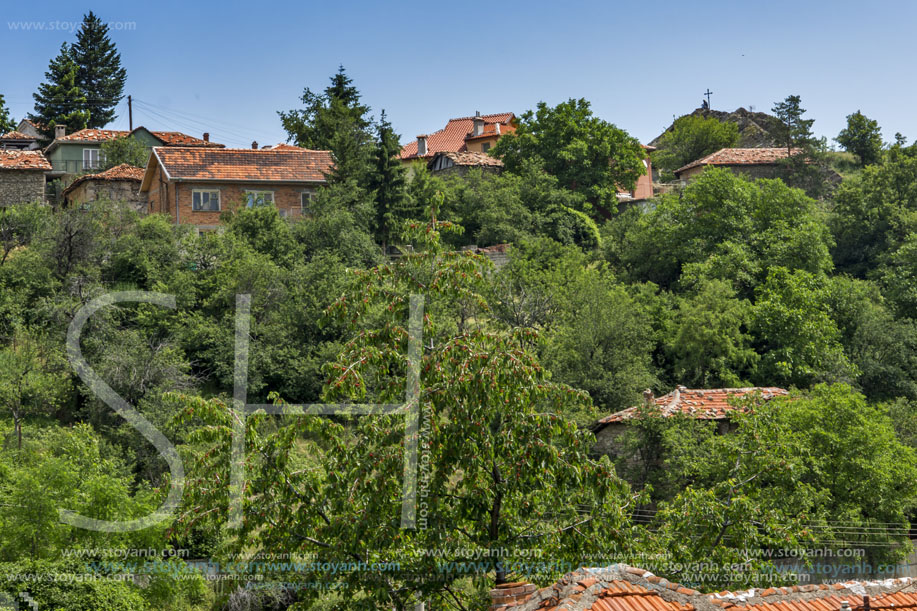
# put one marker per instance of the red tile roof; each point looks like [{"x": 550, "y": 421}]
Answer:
[
  {"x": 245, "y": 165},
  {"x": 452, "y": 137},
  {"x": 103, "y": 135},
  {"x": 23, "y": 160},
  {"x": 736, "y": 156},
  {"x": 14, "y": 135},
  {"x": 283, "y": 146},
  {"x": 119, "y": 172},
  {"x": 624, "y": 588},
  {"x": 703, "y": 404},
  {"x": 471, "y": 158}
]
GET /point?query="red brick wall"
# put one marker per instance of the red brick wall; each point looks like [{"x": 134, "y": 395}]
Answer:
[{"x": 286, "y": 197}]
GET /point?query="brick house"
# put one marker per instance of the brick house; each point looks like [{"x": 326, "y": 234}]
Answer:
[
  {"x": 22, "y": 177},
  {"x": 756, "y": 162},
  {"x": 81, "y": 151},
  {"x": 118, "y": 184},
  {"x": 475, "y": 134},
  {"x": 195, "y": 185},
  {"x": 715, "y": 405}
]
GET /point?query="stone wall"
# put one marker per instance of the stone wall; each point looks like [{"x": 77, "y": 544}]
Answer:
[
  {"x": 114, "y": 190},
  {"x": 21, "y": 186}
]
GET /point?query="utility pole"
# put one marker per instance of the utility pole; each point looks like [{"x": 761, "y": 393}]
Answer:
[{"x": 130, "y": 114}]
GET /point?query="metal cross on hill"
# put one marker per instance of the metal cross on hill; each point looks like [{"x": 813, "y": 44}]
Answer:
[{"x": 708, "y": 93}]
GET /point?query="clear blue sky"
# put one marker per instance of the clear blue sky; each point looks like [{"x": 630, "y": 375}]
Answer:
[{"x": 227, "y": 67}]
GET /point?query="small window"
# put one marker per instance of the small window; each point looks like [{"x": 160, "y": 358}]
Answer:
[
  {"x": 306, "y": 201},
  {"x": 205, "y": 201},
  {"x": 92, "y": 159},
  {"x": 259, "y": 198},
  {"x": 485, "y": 147}
]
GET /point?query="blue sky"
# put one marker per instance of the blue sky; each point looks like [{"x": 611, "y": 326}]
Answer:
[{"x": 227, "y": 67}]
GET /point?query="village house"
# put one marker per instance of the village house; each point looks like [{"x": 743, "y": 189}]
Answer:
[
  {"x": 475, "y": 134},
  {"x": 623, "y": 588},
  {"x": 17, "y": 141},
  {"x": 22, "y": 177},
  {"x": 195, "y": 185},
  {"x": 754, "y": 163},
  {"x": 81, "y": 151},
  {"x": 31, "y": 130},
  {"x": 118, "y": 184},
  {"x": 717, "y": 405}
]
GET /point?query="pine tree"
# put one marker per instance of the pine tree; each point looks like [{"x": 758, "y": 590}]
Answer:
[
  {"x": 59, "y": 100},
  {"x": 6, "y": 122},
  {"x": 795, "y": 131},
  {"x": 387, "y": 183},
  {"x": 99, "y": 74},
  {"x": 315, "y": 126}
]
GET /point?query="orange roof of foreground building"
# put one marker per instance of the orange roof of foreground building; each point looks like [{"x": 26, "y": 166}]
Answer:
[
  {"x": 23, "y": 160},
  {"x": 703, "y": 404},
  {"x": 245, "y": 165},
  {"x": 452, "y": 137},
  {"x": 624, "y": 588},
  {"x": 736, "y": 156}
]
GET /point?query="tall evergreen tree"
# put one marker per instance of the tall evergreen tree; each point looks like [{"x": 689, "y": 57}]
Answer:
[
  {"x": 99, "y": 73},
  {"x": 387, "y": 183},
  {"x": 59, "y": 100},
  {"x": 6, "y": 121},
  {"x": 315, "y": 125},
  {"x": 795, "y": 131}
]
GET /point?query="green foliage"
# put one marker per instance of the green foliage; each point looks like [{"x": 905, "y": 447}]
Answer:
[
  {"x": 862, "y": 137},
  {"x": 692, "y": 137},
  {"x": 7, "y": 124},
  {"x": 874, "y": 214},
  {"x": 59, "y": 100},
  {"x": 99, "y": 74},
  {"x": 586, "y": 154},
  {"x": 799, "y": 340},
  {"x": 387, "y": 184},
  {"x": 724, "y": 226},
  {"x": 127, "y": 150}
]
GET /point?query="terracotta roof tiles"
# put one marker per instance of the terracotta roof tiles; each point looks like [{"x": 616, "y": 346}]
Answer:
[
  {"x": 703, "y": 404},
  {"x": 124, "y": 171},
  {"x": 452, "y": 137},
  {"x": 14, "y": 135},
  {"x": 23, "y": 160},
  {"x": 104, "y": 135},
  {"x": 246, "y": 165},
  {"x": 624, "y": 588},
  {"x": 739, "y": 156}
]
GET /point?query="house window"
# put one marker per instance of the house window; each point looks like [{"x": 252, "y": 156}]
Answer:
[
  {"x": 485, "y": 147},
  {"x": 92, "y": 159},
  {"x": 259, "y": 198},
  {"x": 305, "y": 203},
  {"x": 205, "y": 200}
]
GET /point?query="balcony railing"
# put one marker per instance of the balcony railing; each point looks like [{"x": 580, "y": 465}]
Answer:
[{"x": 71, "y": 166}]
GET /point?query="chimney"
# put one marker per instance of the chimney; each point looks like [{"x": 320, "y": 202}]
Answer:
[
  {"x": 421, "y": 145},
  {"x": 648, "y": 398},
  {"x": 254, "y": 144},
  {"x": 478, "y": 124},
  {"x": 508, "y": 595},
  {"x": 60, "y": 131},
  {"x": 497, "y": 128},
  {"x": 206, "y": 136}
]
